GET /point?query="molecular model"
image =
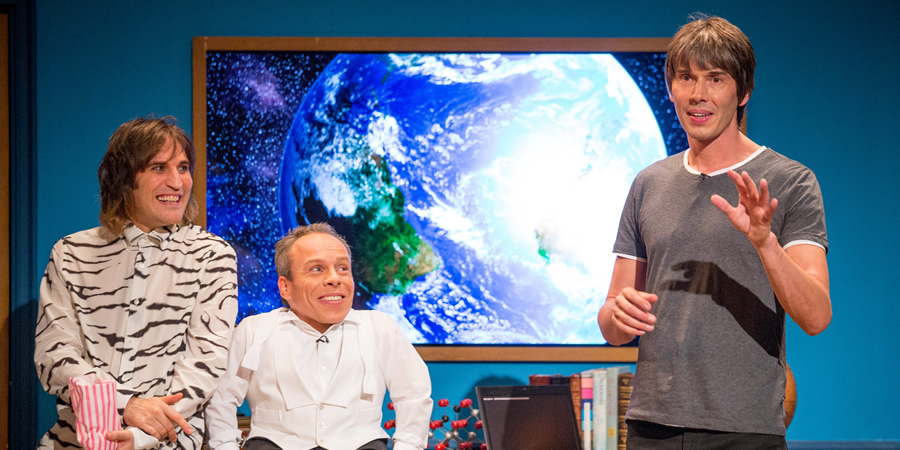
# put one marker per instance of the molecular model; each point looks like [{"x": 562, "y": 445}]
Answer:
[{"x": 458, "y": 434}]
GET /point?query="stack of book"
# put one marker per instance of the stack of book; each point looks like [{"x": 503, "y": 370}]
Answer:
[
  {"x": 598, "y": 399},
  {"x": 625, "y": 389}
]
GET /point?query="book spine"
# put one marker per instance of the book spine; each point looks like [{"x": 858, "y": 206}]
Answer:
[
  {"x": 625, "y": 389},
  {"x": 575, "y": 387},
  {"x": 586, "y": 421},
  {"x": 612, "y": 401},
  {"x": 538, "y": 379},
  {"x": 599, "y": 408}
]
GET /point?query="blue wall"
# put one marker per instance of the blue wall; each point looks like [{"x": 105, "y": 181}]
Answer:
[{"x": 824, "y": 75}]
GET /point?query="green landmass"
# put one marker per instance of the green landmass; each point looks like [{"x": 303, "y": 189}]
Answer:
[{"x": 389, "y": 253}]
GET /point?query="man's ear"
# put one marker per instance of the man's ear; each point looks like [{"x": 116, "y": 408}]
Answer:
[
  {"x": 745, "y": 100},
  {"x": 284, "y": 287}
]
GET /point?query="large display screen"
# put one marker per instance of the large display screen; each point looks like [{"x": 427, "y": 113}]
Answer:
[{"x": 480, "y": 192}]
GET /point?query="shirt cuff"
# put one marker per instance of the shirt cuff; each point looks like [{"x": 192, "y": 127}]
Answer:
[
  {"x": 227, "y": 446},
  {"x": 142, "y": 440},
  {"x": 404, "y": 446}
]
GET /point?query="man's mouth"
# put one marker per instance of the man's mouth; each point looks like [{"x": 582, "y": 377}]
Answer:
[
  {"x": 169, "y": 198},
  {"x": 332, "y": 298},
  {"x": 700, "y": 115}
]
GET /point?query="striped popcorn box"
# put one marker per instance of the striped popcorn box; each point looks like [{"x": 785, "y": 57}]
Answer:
[{"x": 94, "y": 403}]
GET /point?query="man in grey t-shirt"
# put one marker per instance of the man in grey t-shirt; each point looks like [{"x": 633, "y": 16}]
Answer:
[{"x": 707, "y": 284}]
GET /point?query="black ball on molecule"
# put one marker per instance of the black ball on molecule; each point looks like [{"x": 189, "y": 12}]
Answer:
[
  {"x": 455, "y": 408},
  {"x": 445, "y": 418}
]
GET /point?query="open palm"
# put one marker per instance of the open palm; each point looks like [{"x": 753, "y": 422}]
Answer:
[{"x": 753, "y": 214}]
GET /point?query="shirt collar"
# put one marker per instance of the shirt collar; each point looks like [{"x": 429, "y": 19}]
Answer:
[
  {"x": 159, "y": 237},
  {"x": 289, "y": 316}
]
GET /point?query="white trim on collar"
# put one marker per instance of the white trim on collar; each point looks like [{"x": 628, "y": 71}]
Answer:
[{"x": 694, "y": 171}]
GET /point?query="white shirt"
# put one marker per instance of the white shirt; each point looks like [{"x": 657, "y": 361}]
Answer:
[
  {"x": 152, "y": 311},
  {"x": 304, "y": 394}
]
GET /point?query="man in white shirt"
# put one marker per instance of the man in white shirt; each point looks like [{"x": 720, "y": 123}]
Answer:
[
  {"x": 315, "y": 372},
  {"x": 146, "y": 300}
]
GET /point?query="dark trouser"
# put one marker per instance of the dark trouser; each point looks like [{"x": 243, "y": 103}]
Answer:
[
  {"x": 261, "y": 443},
  {"x": 648, "y": 435}
]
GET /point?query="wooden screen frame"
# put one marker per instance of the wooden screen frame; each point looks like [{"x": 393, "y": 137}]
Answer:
[{"x": 204, "y": 44}]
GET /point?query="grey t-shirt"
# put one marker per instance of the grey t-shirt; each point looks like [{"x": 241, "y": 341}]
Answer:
[{"x": 716, "y": 357}]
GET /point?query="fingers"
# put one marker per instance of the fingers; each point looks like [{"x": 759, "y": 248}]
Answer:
[
  {"x": 738, "y": 182},
  {"x": 156, "y": 417},
  {"x": 172, "y": 399},
  {"x": 173, "y": 415},
  {"x": 750, "y": 186},
  {"x": 178, "y": 420},
  {"x": 722, "y": 204},
  {"x": 631, "y": 311},
  {"x": 124, "y": 438},
  {"x": 763, "y": 191},
  {"x": 161, "y": 429},
  {"x": 118, "y": 435},
  {"x": 170, "y": 432}
]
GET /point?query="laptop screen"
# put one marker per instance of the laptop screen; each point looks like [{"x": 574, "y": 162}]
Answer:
[{"x": 528, "y": 417}]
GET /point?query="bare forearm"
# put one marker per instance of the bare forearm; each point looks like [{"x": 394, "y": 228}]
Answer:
[
  {"x": 799, "y": 278},
  {"x": 612, "y": 334}
]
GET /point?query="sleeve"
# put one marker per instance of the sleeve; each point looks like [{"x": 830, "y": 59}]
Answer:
[
  {"x": 209, "y": 332},
  {"x": 804, "y": 220},
  {"x": 408, "y": 382},
  {"x": 221, "y": 414},
  {"x": 628, "y": 240},
  {"x": 59, "y": 349}
]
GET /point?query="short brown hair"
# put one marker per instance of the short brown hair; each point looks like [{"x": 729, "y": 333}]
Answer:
[
  {"x": 131, "y": 148},
  {"x": 712, "y": 42},
  {"x": 284, "y": 245}
]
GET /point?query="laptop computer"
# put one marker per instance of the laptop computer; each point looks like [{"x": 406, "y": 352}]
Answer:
[{"x": 528, "y": 417}]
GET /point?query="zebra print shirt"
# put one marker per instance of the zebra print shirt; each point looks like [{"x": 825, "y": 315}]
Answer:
[{"x": 152, "y": 311}]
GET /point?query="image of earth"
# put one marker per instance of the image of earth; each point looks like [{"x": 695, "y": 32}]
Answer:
[{"x": 480, "y": 193}]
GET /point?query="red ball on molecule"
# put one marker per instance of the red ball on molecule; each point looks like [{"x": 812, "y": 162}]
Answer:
[
  {"x": 390, "y": 424},
  {"x": 391, "y": 406},
  {"x": 443, "y": 402},
  {"x": 466, "y": 402},
  {"x": 478, "y": 425},
  {"x": 440, "y": 446},
  {"x": 483, "y": 446},
  {"x": 435, "y": 424}
]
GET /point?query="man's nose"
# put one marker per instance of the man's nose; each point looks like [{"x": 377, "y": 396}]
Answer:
[
  {"x": 698, "y": 92},
  {"x": 333, "y": 279},
  {"x": 173, "y": 178}
]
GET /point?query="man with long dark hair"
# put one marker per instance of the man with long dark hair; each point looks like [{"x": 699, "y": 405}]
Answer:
[{"x": 146, "y": 300}]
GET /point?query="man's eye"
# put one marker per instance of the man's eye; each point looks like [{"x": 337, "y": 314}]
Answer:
[
  {"x": 316, "y": 269},
  {"x": 184, "y": 168}
]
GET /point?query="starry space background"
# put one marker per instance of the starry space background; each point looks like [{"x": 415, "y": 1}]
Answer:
[{"x": 252, "y": 98}]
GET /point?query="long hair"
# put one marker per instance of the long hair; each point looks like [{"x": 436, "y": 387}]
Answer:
[{"x": 131, "y": 148}]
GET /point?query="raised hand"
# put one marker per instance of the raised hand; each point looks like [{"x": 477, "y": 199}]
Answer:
[
  {"x": 156, "y": 417},
  {"x": 753, "y": 214}
]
